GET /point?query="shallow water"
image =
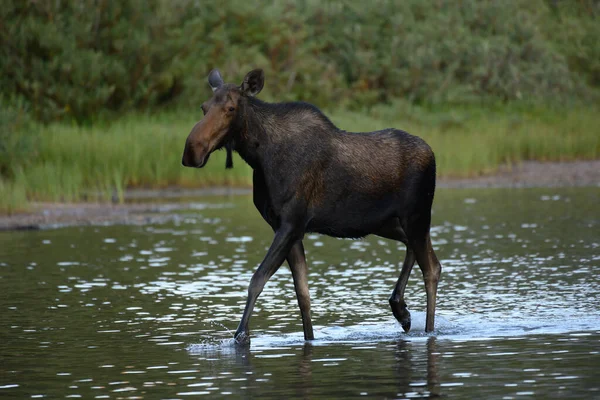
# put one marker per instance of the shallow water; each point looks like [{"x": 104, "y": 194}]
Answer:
[{"x": 148, "y": 311}]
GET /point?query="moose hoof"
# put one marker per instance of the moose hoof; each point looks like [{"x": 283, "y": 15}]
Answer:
[
  {"x": 401, "y": 313},
  {"x": 242, "y": 339}
]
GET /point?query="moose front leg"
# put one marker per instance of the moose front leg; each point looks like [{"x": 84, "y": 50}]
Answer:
[
  {"x": 299, "y": 268},
  {"x": 285, "y": 237}
]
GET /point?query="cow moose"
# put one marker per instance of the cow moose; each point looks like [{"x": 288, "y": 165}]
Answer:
[{"x": 310, "y": 176}]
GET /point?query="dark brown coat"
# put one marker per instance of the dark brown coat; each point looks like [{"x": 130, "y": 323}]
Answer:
[{"x": 310, "y": 176}]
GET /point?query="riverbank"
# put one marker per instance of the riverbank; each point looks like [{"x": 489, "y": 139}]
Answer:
[
  {"x": 159, "y": 206},
  {"x": 63, "y": 163}
]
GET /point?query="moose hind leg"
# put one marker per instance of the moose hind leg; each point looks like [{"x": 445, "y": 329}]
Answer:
[
  {"x": 397, "y": 302},
  {"x": 432, "y": 269},
  {"x": 393, "y": 230}
]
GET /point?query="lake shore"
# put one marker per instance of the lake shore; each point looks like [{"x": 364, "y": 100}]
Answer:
[{"x": 144, "y": 206}]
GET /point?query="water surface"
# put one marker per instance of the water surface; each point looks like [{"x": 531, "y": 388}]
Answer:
[{"x": 148, "y": 311}]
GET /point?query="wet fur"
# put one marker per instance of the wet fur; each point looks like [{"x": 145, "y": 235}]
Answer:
[{"x": 338, "y": 183}]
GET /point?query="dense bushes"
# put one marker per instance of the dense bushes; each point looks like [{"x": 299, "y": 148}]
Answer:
[
  {"x": 78, "y": 59},
  {"x": 75, "y": 58}
]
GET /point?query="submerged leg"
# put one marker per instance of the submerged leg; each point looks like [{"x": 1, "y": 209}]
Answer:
[
  {"x": 280, "y": 248},
  {"x": 397, "y": 298},
  {"x": 432, "y": 269},
  {"x": 299, "y": 268}
]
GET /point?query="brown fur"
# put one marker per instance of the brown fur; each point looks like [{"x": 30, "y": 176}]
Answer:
[{"x": 312, "y": 186}]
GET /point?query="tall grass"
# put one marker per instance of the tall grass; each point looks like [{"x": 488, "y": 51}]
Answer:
[
  {"x": 78, "y": 163},
  {"x": 472, "y": 141},
  {"x": 12, "y": 197}
]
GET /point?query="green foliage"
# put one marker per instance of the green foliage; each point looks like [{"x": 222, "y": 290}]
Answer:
[
  {"x": 440, "y": 51},
  {"x": 75, "y": 58},
  {"x": 575, "y": 30},
  {"x": 81, "y": 59}
]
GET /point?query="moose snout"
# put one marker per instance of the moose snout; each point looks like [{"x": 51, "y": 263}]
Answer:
[{"x": 195, "y": 155}]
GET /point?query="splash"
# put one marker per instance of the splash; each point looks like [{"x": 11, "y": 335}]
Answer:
[
  {"x": 469, "y": 327},
  {"x": 325, "y": 335}
]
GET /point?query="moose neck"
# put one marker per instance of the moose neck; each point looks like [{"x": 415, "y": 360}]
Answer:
[
  {"x": 255, "y": 133},
  {"x": 267, "y": 134}
]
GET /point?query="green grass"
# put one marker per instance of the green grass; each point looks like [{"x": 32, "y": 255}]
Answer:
[
  {"x": 78, "y": 163},
  {"x": 137, "y": 151},
  {"x": 12, "y": 197},
  {"x": 476, "y": 141}
]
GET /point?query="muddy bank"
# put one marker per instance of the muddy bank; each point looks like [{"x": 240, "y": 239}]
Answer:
[
  {"x": 535, "y": 174},
  {"x": 141, "y": 207},
  {"x": 156, "y": 206}
]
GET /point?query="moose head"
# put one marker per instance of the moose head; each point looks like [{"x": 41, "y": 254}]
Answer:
[{"x": 223, "y": 116}]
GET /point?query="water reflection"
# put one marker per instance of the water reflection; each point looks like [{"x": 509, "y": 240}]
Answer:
[
  {"x": 409, "y": 371},
  {"x": 303, "y": 370}
]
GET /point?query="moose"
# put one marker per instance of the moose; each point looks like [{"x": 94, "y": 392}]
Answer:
[{"x": 310, "y": 176}]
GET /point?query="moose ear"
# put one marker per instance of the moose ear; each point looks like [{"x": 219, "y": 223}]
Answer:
[
  {"x": 253, "y": 82},
  {"x": 214, "y": 79}
]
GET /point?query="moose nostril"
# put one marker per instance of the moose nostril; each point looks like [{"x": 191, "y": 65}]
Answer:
[{"x": 185, "y": 160}]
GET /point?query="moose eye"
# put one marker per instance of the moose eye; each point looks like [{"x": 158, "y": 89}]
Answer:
[{"x": 231, "y": 108}]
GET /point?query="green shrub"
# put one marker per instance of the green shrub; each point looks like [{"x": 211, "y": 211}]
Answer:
[
  {"x": 82, "y": 59},
  {"x": 575, "y": 31}
]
